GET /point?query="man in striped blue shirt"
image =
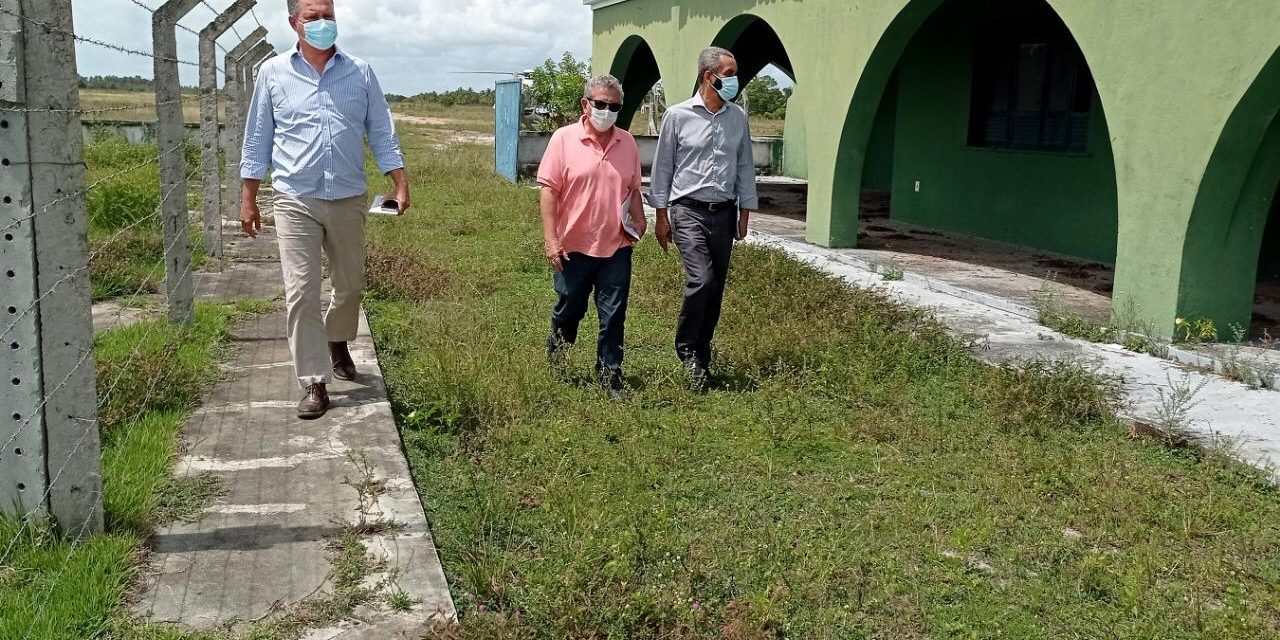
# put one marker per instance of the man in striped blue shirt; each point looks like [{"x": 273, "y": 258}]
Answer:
[{"x": 310, "y": 115}]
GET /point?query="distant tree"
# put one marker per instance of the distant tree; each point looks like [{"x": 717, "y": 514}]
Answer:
[
  {"x": 766, "y": 99},
  {"x": 460, "y": 96},
  {"x": 117, "y": 83},
  {"x": 557, "y": 91}
]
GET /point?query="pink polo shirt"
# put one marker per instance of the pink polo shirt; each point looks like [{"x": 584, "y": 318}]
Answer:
[{"x": 590, "y": 184}]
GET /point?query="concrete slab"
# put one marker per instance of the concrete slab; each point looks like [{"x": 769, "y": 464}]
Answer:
[
  {"x": 260, "y": 549},
  {"x": 1006, "y": 277},
  {"x": 113, "y": 314},
  {"x": 1223, "y": 412}
]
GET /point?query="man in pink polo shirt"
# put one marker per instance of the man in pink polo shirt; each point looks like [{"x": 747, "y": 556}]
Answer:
[{"x": 590, "y": 177}]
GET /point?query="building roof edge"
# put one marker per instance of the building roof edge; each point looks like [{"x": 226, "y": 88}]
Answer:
[{"x": 600, "y": 4}]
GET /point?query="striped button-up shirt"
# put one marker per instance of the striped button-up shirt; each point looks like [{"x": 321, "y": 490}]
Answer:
[
  {"x": 309, "y": 128},
  {"x": 704, "y": 156}
]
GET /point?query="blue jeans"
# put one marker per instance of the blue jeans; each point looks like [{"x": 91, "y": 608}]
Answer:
[{"x": 610, "y": 278}]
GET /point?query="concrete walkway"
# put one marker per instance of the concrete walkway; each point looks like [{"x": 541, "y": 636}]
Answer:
[
  {"x": 1220, "y": 412},
  {"x": 261, "y": 549}
]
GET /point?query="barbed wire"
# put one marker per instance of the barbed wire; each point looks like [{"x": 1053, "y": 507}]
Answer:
[
  {"x": 17, "y": 222},
  {"x": 181, "y": 26},
  {"x": 85, "y": 112},
  {"x": 33, "y": 524},
  {"x": 97, "y": 504},
  {"x": 28, "y": 517},
  {"x": 75, "y": 272},
  {"x": 87, "y": 40},
  {"x": 218, "y": 13},
  {"x": 94, "y": 425}
]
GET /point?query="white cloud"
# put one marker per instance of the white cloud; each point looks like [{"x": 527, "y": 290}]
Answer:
[{"x": 414, "y": 45}]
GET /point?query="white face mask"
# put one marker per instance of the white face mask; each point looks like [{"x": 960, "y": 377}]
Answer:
[{"x": 603, "y": 119}]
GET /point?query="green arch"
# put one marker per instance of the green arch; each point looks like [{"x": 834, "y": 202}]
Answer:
[
  {"x": 868, "y": 94},
  {"x": 636, "y": 67},
  {"x": 1220, "y": 252},
  {"x": 756, "y": 45}
]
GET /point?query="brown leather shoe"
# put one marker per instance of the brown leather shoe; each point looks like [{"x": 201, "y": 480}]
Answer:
[
  {"x": 343, "y": 366},
  {"x": 315, "y": 403}
]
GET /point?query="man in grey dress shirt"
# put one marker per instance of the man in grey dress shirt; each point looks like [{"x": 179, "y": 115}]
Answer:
[{"x": 704, "y": 188}]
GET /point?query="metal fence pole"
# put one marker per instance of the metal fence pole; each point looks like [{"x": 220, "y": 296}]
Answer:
[
  {"x": 233, "y": 131},
  {"x": 170, "y": 139},
  {"x": 50, "y": 460},
  {"x": 211, "y": 175}
]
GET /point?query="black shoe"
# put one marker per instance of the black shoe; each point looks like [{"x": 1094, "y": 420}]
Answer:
[
  {"x": 344, "y": 368},
  {"x": 558, "y": 361},
  {"x": 613, "y": 383},
  {"x": 697, "y": 373}
]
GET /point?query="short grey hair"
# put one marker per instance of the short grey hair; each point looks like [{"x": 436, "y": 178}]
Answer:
[
  {"x": 293, "y": 7},
  {"x": 709, "y": 60},
  {"x": 603, "y": 82}
]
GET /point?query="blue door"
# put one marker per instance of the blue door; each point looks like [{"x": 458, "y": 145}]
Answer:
[{"x": 507, "y": 126}]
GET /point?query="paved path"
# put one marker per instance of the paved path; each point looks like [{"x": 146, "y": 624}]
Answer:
[
  {"x": 260, "y": 549},
  {"x": 1223, "y": 410}
]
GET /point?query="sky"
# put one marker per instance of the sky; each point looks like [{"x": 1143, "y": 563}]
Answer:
[{"x": 413, "y": 45}]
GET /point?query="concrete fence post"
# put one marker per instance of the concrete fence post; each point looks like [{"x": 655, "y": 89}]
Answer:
[
  {"x": 173, "y": 167},
  {"x": 233, "y": 130},
  {"x": 249, "y": 64},
  {"x": 50, "y": 458},
  {"x": 210, "y": 168},
  {"x": 244, "y": 73}
]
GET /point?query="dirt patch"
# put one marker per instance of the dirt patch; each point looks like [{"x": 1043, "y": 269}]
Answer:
[
  {"x": 397, "y": 272},
  {"x": 427, "y": 120}
]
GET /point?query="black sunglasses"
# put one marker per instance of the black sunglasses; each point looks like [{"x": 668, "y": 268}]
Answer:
[{"x": 601, "y": 104}]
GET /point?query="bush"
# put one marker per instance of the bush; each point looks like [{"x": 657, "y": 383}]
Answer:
[{"x": 557, "y": 91}]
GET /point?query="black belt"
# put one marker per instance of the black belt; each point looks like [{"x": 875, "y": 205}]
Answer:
[{"x": 710, "y": 207}]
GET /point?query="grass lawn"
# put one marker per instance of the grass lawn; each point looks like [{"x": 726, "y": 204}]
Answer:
[
  {"x": 126, "y": 244},
  {"x": 149, "y": 375},
  {"x": 762, "y": 126},
  {"x": 141, "y": 105},
  {"x": 858, "y": 476}
]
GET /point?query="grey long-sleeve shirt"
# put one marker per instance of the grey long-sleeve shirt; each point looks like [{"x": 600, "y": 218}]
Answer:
[{"x": 704, "y": 156}]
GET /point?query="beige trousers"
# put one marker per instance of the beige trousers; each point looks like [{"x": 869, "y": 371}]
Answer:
[{"x": 306, "y": 229}]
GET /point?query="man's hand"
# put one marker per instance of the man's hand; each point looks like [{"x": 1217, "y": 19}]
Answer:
[
  {"x": 663, "y": 230},
  {"x": 641, "y": 225},
  {"x": 556, "y": 256},
  {"x": 744, "y": 218},
  {"x": 401, "y": 191},
  {"x": 250, "y": 218}
]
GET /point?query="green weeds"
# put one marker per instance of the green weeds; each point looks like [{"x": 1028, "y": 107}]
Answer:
[
  {"x": 855, "y": 473},
  {"x": 149, "y": 375},
  {"x": 125, "y": 240}
]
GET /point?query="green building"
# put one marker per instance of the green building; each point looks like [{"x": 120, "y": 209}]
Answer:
[{"x": 1138, "y": 133}]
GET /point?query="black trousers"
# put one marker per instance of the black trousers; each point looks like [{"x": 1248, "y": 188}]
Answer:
[{"x": 705, "y": 242}]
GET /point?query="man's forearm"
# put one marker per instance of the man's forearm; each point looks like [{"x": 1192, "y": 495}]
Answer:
[
  {"x": 399, "y": 177},
  {"x": 249, "y": 190},
  {"x": 548, "y": 203},
  {"x": 637, "y": 206}
]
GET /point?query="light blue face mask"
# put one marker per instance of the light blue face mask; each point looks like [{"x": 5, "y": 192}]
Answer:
[
  {"x": 321, "y": 33},
  {"x": 727, "y": 87}
]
